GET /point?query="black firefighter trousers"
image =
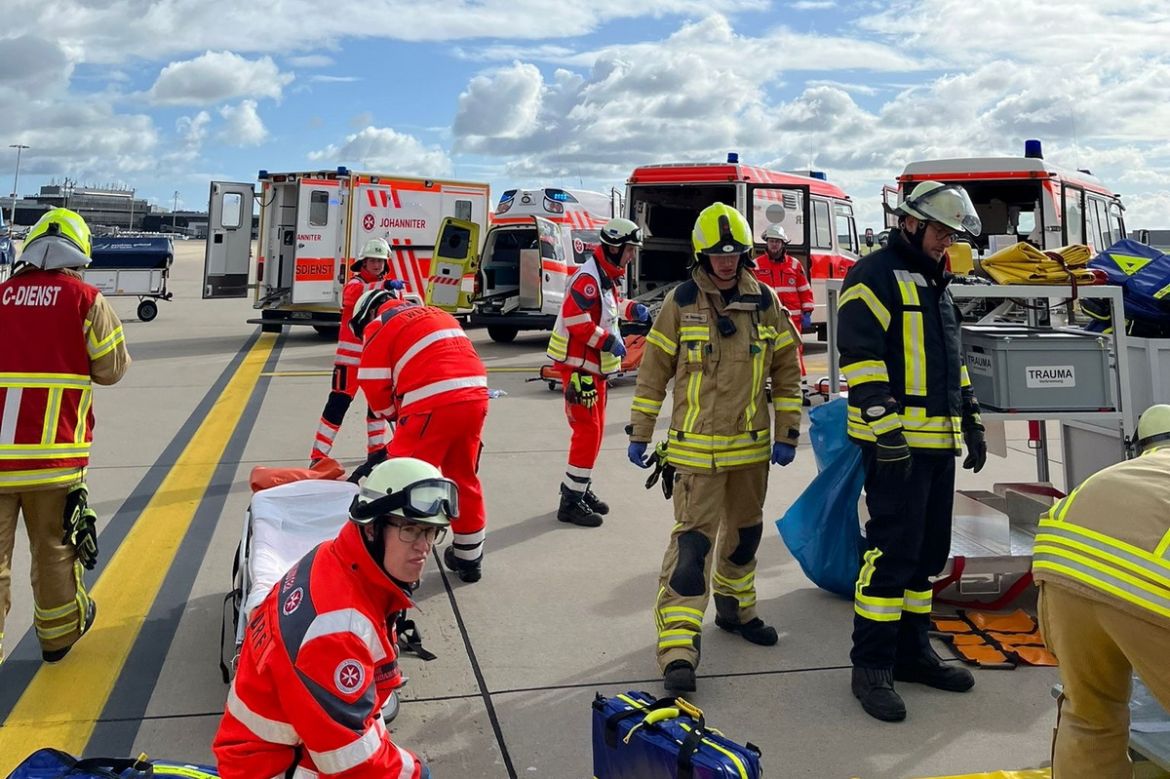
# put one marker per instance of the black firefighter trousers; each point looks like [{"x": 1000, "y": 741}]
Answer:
[{"x": 907, "y": 541}]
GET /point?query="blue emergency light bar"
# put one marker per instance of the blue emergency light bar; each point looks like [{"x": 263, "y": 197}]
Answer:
[{"x": 559, "y": 195}]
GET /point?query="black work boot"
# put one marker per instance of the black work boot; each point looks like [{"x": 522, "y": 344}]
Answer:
[
  {"x": 57, "y": 655},
  {"x": 874, "y": 687},
  {"x": 755, "y": 630},
  {"x": 679, "y": 676},
  {"x": 929, "y": 669},
  {"x": 595, "y": 503},
  {"x": 469, "y": 571},
  {"x": 575, "y": 509}
]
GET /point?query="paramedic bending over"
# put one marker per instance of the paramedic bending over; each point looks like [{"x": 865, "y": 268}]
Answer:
[{"x": 320, "y": 656}]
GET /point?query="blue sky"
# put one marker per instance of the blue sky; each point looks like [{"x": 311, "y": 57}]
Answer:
[{"x": 165, "y": 97}]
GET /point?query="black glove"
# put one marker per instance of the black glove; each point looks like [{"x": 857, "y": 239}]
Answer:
[
  {"x": 80, "y": 524},
  {"x": 976, "y": 448},
  {"x": 663, "y": 470},
  {"x": 364, "y": 470},
  {"x": 581, "y": 390},
  {"x": 893, "y": 456}
]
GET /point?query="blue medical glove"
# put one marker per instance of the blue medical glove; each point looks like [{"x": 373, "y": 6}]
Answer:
[
  {"x": 637, "y": 454},
  {"x": 617, "y": 348},
  {"x": 806, "y": 324},
  {"x": 394, "y": 285},
  {"x": 783, "y": 454},
  {"x": 641, "y": 313}
]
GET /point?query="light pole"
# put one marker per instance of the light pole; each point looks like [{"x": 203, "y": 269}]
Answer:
[
  {"x": 16, "y": 179},
  {"x": 174, "y": 211}
]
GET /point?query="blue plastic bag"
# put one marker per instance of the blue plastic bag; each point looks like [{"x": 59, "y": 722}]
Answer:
[
  {"x": 821, "y": 529},
  {"x": 55, "y": 764}
]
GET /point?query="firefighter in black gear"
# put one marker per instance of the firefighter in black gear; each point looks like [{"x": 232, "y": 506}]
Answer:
[{"x": 910, "y": 408}]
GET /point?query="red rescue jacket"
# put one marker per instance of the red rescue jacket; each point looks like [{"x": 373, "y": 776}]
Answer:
[{"x": 349, "y": 348}]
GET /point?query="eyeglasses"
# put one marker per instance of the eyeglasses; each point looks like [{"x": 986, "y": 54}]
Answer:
[
  {"x": 945, "y": 234},
  {"x": 411, "y": 533}
]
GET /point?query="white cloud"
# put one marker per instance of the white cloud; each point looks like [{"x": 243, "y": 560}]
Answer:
[
  {"x": 216, "y": 76},
  {"x": 29, "y": 62},
  {"x": 812, "y": 5},
  {"x": 501, "y": 104},
  {"x": 192, "y": 132},
  {"x": 322, "y": 78},
  {"x": 385, "y": 149},
  {"x": 242, "y": 125},
  {"x": 310, "y": 61}
]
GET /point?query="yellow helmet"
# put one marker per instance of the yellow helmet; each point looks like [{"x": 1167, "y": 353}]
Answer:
[
  {"x": 59, "y": 239},
  {"x": 1153, "y": 429},
  {"x": 720, "y": 229}
]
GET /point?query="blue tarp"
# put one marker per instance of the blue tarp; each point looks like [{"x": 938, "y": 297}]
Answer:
[{"x": 1143, "y": 273}]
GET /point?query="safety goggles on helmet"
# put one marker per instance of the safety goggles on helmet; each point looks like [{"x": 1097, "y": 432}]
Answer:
[
  {"x": 427, "y": 499},
  {"x": 618, "y": 232},
  {"x": 947, "y": 204}
]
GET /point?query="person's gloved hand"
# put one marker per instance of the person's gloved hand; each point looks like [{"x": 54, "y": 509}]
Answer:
[
  {"x": 581, "y": 390},
  {"x": 641, "y": 313},
  {"x": 893, "y": 456},
  {"x": 976, "y": 449},
  {"x": 637, "y": 454},
  {"x": 806, "y": 323},
  {"x": 782, "y": 453},
  {"x": 393, "y": 285},
  {"x": 614, "y": 345},
  {"x": 80, "y": 524}
]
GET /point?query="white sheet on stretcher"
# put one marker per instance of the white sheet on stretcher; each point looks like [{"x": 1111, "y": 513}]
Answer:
[{"x": 287, "y": 522}]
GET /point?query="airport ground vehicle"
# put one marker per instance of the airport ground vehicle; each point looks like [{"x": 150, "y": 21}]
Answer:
[{"x": 312, "y": 226}]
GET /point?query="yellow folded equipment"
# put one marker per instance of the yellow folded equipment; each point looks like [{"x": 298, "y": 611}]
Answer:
[{"x": 1023, "y": 263}]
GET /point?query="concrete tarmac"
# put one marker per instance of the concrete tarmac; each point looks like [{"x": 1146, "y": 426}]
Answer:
[{"x": 561, "y": 614}]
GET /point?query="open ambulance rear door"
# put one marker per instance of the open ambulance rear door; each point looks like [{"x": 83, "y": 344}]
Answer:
[
  {"x": 454, "y": 259},
  {"x": 228, "y": 256},
  {"x": 318, "y": 273}
]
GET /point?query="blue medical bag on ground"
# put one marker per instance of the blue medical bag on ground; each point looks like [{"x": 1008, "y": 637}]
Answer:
[
  {"x": 636, "y": 736},
  {"x": 55, "y": 764}
]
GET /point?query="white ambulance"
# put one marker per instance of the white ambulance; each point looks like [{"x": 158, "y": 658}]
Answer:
[
  {"x": 1023, "y": 199},
  {"x": 537, "y": 240},
  {"x": 312, "y": 226}
]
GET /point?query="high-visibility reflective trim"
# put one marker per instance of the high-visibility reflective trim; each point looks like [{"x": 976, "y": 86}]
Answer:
[
  {"x": 29, "y": 380},
  {"x": 907, "y": 286},
  {"x": 353, "y": 347},
  {"x": 610, "y": 363},
  {"x": 730, "y": 459},
  {"x": 438, "y": 387},
  {"x": 46, "y": 476},
  {"x": 886, "y": 424},
  {"x": 48, "y": 634},
  {"x": 964, "y": 376},
  {"x": 82, "y": 429},
  {"x": 914, "y": 353},
  {"x": 423, "y": 343},
  {"x": 863, "y": 371},
  {"x": 932, "y": 441},
  {"x": 757, "y": 388},
  {"x": 917, "y": 601},
  {"x": 48, "y": 615},
  {"x": 558, "y": 347},
  {"x": 865, "y": 295},
  {"x": 1163, "y": 548},
  {"x": 349, "y": 621},
  {"x": 868, "y": 565},
  {"x": 98, "y": 349},
  {"x": 353, "y": 754},
  {"x": 646, "y": 405},
  {"x": 890, "y": 610},
  {"x": 407, "y": 763},
  {"x": 742, "y": 584},
  {"x": 374, "y": 374},
  {"x": 672, "y": 614},
  {"x": 787, "y": 404},
  {"x": 676, "y": 457},
  {"x": 579, "y": 319},
  {"x": 692, "y": 415},
  {"x": 1118, "y": 552},
  {"x": 1118, "y": 583},
  {"x": 783, "y": 339},
  {"x": 43, "y": 451},
  {"x": 694, "y": 333},
  {"x": 270, "y": 730},
  {"x": 11, "y": 397},
  {"x": 676, "y": 637},
  {"x": 52, "y": 417},
  {"x": 656, "y": 338},
  {"x": 347, "y": 359}
]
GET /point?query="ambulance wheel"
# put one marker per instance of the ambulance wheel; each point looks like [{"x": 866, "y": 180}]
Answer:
[
  {"x": 147, "y": 310},
  {"x": 503, "y": 335},
  {"x": 327, "y": 331}
]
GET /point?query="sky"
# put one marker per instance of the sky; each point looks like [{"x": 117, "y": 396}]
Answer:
[{"x": 167, "y": 95}]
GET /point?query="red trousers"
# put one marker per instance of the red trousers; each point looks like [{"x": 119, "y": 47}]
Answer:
[
  {"x": 343, "y": 388},
  {"x": 588, "y": 426},
  {"x": 449, "y": 438}
]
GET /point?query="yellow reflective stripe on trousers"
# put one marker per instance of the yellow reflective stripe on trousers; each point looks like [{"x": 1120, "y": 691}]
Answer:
[
  {"x": 656, "y": 338},
  {"x": 864, "y": 371},
  {"x": 673, "y": 614},
  {"x": 917, "y": 601},
  {"x": 914, "y": 353},
  {"x": 869, "y": 606},
  {"x": 864, "y": 294},
  {"x": 672, "y": 638}
]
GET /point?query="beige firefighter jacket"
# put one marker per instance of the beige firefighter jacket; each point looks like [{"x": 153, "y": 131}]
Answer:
[{"x": 720, "y": 416}]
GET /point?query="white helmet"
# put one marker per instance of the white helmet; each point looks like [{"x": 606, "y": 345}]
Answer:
[
  {"x": 365, "y": 308},
  {"x": 375, "y": 247},
  {"x": 946, "y": 204},
  {"x": 775, "y": 231},
  {"x": 407, "y": 488},
  {"x": 619, "y": 232}
]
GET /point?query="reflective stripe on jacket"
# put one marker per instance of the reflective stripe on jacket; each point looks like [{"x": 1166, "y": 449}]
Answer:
[
  {"x": 59, "y": 336},
  {"x": 1110, "y": 538},
  {"x": 899, "y": 341},
  {"x": 319, "y": 661},
  {"x": 349, "y": 348},
  {"x": 720, "y": 417},
  {"x": 588, "y": 318}
]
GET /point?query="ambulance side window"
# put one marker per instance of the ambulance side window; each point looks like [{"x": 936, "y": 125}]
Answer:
[
  {"x": 1096, "y": 232},
  {"x": 1073, "y": 222},
  {"x": 822, "y": 225},
  {"x": 318, "y": 208},
  {"x": 229, "y": 211},
  {"x": 463, "y": 210}
]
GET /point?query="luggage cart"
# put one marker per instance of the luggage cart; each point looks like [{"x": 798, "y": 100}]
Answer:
[{"x": 133, "y": 266}]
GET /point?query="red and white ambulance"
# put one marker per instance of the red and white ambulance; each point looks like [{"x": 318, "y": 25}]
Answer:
[
  {"x": 536, "y": 241},
  {"x": 666, "y": 199},
  {"x": 1024, "y": 199},
  {"x": 312, "y": 226}
]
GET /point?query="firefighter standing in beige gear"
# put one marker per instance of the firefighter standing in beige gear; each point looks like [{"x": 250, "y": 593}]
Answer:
[
  {"x": 1102, "y": 560},
  {"x": 69, "y": 339},
  {"x": 719, "y": 336}
]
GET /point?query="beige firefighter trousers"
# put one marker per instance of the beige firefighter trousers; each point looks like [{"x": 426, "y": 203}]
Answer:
[
  {"x": 59, "y": 596},
  {"x": 1099, "y": 646},
  {"x": 720, "y": 512}
]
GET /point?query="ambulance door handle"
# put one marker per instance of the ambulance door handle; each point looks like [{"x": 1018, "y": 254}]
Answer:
[
  {"x": 547, "y": 277},
  {"x": 300, "y": 246}
]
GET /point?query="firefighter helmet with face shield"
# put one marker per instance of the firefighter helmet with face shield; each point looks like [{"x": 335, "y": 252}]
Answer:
[
  {"x": 618, "y": 232},
  {"x": 59, "y": 239},
  {"x": 947, "y": 204}
]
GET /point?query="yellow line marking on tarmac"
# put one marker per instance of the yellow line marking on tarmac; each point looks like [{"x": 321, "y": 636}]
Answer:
[
  {"x": 291, "y": 374},
  {"x": 62, "y": 703}
]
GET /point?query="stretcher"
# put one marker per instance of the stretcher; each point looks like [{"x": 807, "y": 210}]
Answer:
[{"x": 132, "y": 266}]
